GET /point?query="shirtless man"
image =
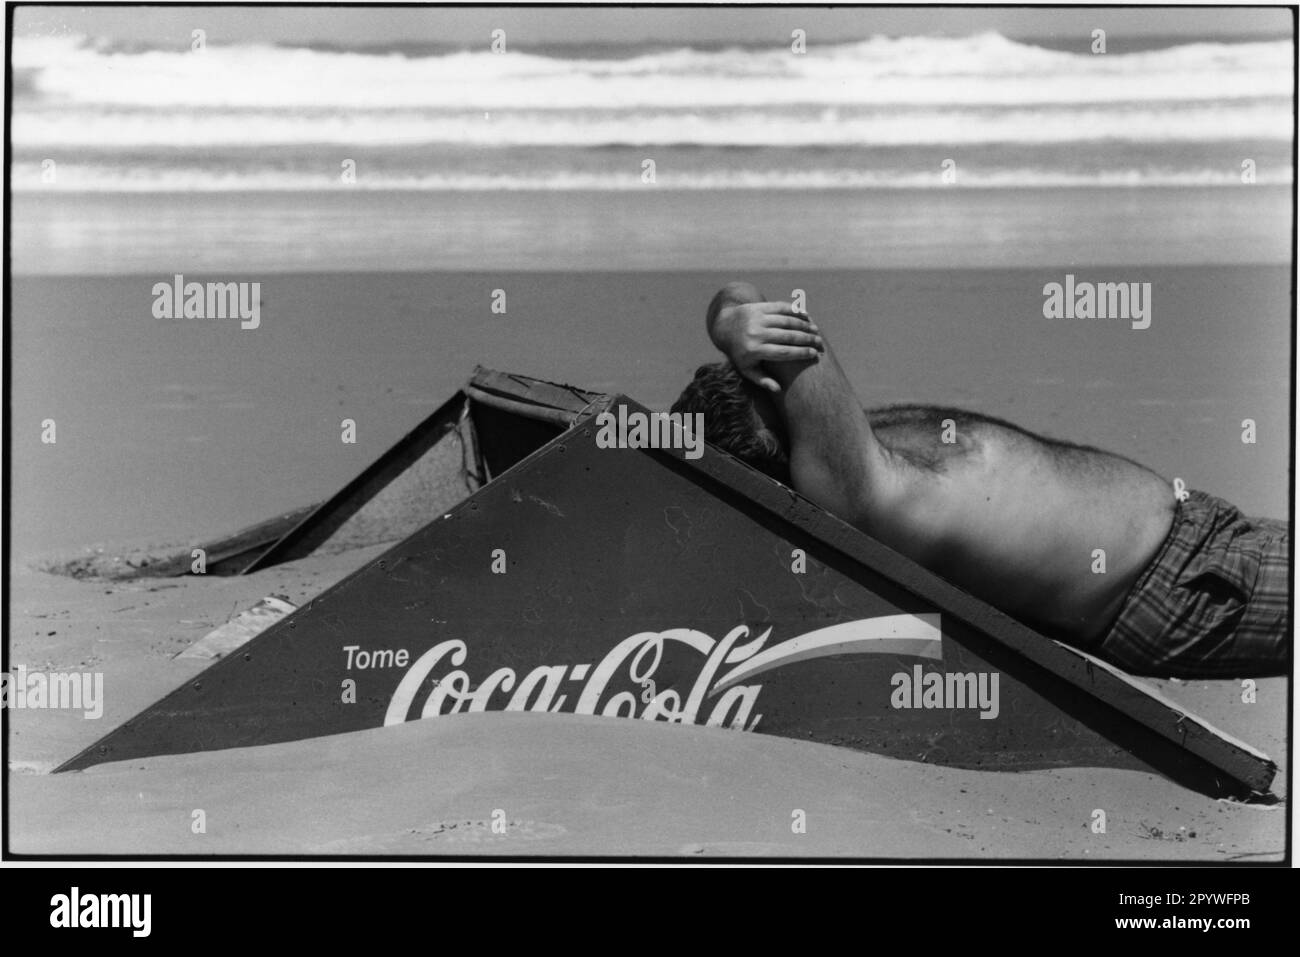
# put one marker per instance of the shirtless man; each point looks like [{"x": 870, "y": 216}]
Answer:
[{"x": 1190, "y": 588}]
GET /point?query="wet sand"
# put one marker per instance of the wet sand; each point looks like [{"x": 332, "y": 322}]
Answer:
[{"x": 171, "y": 430}]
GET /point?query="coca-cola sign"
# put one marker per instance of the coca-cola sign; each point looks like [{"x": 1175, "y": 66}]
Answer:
[{"x": 721, "y": 693}]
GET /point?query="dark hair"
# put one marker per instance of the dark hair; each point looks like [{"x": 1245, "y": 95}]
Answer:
[{"x": 731, "y": 421}]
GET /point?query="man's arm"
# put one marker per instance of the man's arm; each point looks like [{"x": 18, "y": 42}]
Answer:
[
  {"x": 835, "y": 458},
  {"x": 761, "y": 332}
]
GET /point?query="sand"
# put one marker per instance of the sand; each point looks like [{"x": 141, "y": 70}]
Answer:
[
  {"x": 172, "y": 433},
  {"x": 504, "y": 232},
  {"x": 554, "y": 785},
  {"x": 176, "y": 432}
]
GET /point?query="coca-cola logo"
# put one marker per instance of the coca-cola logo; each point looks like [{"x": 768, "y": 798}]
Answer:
[{"x": 722, "y": 692}]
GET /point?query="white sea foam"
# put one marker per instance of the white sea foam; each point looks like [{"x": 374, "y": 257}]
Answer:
[
  {"x": 71, "y": 128},
  {"x": 983, "y": 69}
]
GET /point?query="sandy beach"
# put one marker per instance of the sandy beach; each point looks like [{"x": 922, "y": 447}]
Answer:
[
  {"x": 409, "y": 203},
  {"x": 568, "y": 785},
  {"x": 245, "y": 425}
]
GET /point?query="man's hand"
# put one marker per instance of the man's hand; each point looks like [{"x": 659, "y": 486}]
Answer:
[{"x": 752, "y": 333}]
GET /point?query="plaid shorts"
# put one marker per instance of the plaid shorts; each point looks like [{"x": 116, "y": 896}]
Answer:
[{"x": 1213, "y": 603}]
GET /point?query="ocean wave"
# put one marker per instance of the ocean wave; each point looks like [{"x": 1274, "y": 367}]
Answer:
[
  {"x": 812, "y": 126},
  {"x": 983, "y": 69},
  {"x": 876, "y": 114}
]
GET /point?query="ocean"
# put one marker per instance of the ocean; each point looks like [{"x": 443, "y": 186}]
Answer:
[
  {"x": 381, "y": 195},
  {"x": 883, "y": 113}
]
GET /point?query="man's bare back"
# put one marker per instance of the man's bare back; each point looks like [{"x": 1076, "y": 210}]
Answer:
[{"x": 1027, "y": 515}]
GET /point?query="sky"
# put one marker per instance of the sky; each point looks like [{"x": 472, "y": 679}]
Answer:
[{"x": 373, "y": 25}]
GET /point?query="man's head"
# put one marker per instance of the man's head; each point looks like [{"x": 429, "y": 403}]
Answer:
[{"x": 738, "y": 417}]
